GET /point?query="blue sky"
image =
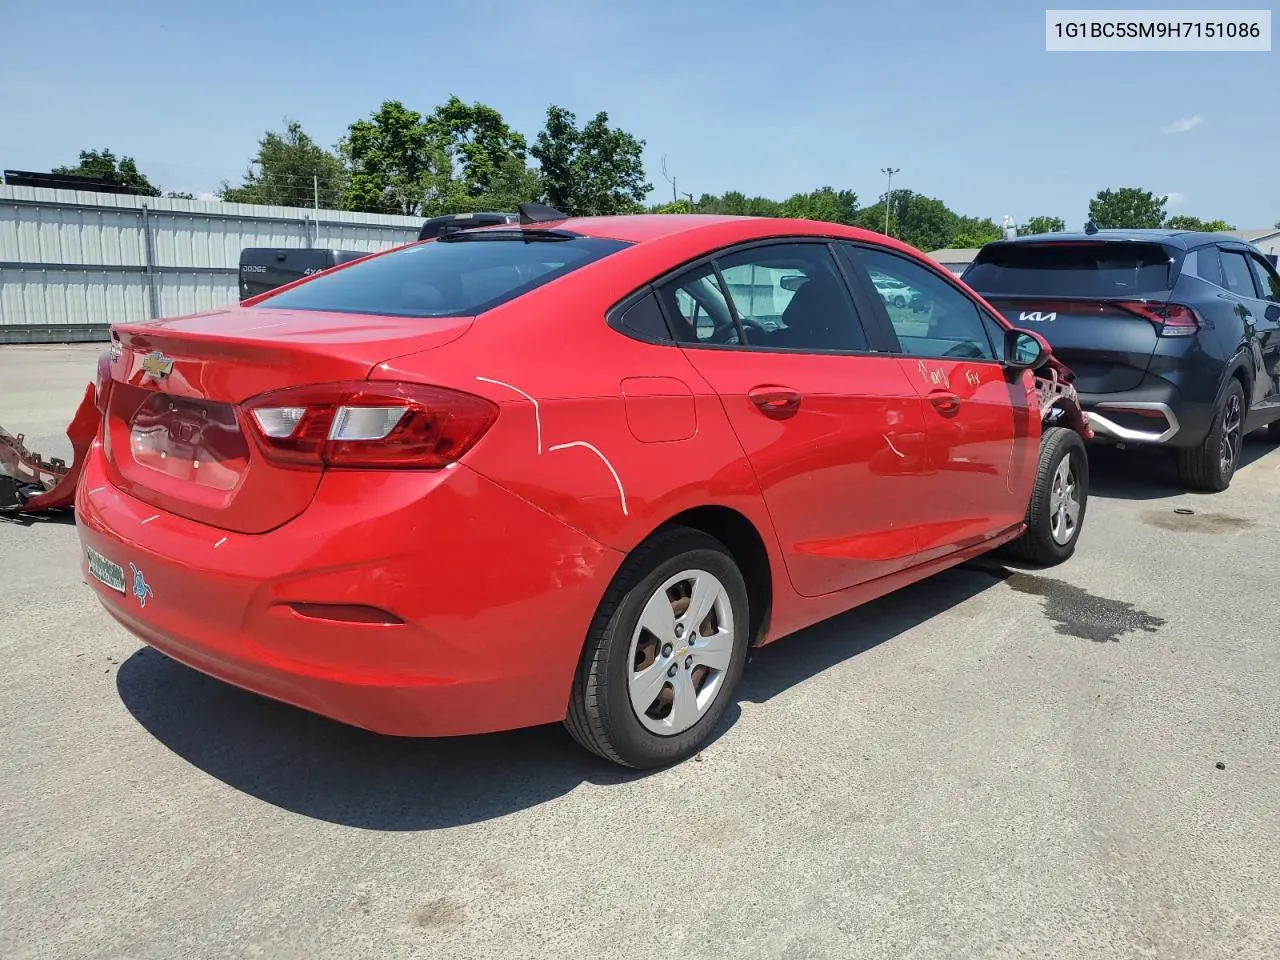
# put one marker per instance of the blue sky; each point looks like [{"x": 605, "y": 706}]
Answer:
[{"x": 767, "y": 98}]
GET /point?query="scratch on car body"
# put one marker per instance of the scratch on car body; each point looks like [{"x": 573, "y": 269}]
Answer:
[
  {"x": 622, "y": 494},
  {"x": 537, "y": 414}
]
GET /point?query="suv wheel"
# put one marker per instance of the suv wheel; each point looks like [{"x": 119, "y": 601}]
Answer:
[
  {"x": 1211, "y": 465},
  {"x": 1055, "y": 515},
  {"x": 664, "y": 653}
]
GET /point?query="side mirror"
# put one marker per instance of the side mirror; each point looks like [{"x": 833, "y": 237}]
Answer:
[
  {"x": 1025, "y": 350},
  {"x": 793, "y": 282}
]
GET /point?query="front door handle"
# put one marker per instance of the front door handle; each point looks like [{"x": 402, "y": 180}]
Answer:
[
  {"x": 945, "y": 402},
  {"x": 776, "y": 402}
]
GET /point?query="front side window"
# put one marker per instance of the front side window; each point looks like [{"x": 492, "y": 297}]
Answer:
[
  {"x": 1239, "y": 277},
  {"x": 1268, "y": 282},
  {"x": 930, "y": 316},
  {"x": 784, "y": 296},
  {"x": 446, "y": 278}
]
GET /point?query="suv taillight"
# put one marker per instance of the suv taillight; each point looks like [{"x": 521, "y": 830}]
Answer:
[
  {"x": 367, "y": 424},
  {"x": 1171, "y": 319}
]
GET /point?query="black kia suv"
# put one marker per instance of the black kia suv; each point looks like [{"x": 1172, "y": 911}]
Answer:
[{"x": 1174, "y": 336}]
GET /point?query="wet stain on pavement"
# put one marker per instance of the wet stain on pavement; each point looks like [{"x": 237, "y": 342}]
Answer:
[
  {"x": 440, "y": 914},
  {"x": 1078, "y": 613},
  {"x": 1189, "y": 522}
]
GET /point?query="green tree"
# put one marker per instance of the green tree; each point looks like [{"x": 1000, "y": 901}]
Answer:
[
  {"x": 924, "y": 222},
  {"x": 512, "y": 184},
  {"x": 286, "y": 170},
  {"x": 595, "y": 170},
  {"x": 974, "y": 232},
  {"x": 675, "y": 206},
  {"x": 1127, "y": 207},
  {"x": 179, "y": 195},
  {"x": 1185, "y": 222},
  {"x": 737, "y": 204},
  {"x": 825, "y": 203},
  {"x": 394, "y": 164},
  {"x": 103, "y": 165},
  {"x": 1043, "y": 225},
  {"x": 486, "y": 156}
]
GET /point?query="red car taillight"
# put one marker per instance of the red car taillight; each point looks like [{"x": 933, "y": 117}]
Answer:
[
  {"x": 368, "y": 424},
  {"x": 102, "y": 384},
  {"x": 1171, "y": 319}
]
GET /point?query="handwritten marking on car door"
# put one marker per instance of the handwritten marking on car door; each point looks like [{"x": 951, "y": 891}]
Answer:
[
  {"x": 537, "y": 415},
  {"x": 603, "y": 459}
]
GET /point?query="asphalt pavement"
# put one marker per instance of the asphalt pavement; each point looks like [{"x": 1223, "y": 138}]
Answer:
[{"x": 1081, "y": 762}]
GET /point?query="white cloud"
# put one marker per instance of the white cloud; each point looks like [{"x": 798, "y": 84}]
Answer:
[
  {"x": 1175, "y": 199},
  {"x": 1183, "y": 125},
  {"x": 207, "y": 196}
]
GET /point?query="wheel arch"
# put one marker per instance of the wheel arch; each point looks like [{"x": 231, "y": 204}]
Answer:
[{"x": 746, "y": 545}]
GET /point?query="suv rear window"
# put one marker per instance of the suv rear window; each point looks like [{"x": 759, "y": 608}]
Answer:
[
  {"x": 460, "y": 277},
  {"x": 1075, "y": 268}
]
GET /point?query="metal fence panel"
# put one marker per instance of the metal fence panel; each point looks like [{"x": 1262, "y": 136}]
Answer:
[{"x": 73, "y": 262}]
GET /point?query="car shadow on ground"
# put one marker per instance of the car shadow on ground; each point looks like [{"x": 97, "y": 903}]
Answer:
[
  {"x": 53, "y": 517},
  {"x": 329, "y": 771},
  {"x": 1151, "y": 474}
]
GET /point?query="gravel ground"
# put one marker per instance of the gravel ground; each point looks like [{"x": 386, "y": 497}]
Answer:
[{"x": 1081, "y": 762}]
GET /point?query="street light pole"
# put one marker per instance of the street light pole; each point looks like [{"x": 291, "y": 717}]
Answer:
[{"x": 888, "y": 192}]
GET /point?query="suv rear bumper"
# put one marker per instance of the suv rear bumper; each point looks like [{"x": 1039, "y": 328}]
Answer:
[{"x": 1156, "y": 412}]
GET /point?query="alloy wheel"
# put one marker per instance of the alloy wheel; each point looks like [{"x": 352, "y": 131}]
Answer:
[
  {"x": 1064, "y": 503},
  {"x": 680, "y": 652},
  {"x": 1229, "y": 446}
]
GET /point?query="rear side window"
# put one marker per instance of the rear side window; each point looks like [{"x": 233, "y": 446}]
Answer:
[
  {"x": 1236, "y": 267},
  {"x": 1079, "y": 268},
  {"x": 1205, "y": 264},
  {"x": 1268, "y": 282},
  {"x": 454, "y": 278}
]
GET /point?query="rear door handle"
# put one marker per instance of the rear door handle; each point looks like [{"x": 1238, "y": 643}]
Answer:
[
  {"x": 775, "y": 402},
  {"x": 944, "y": 402}
]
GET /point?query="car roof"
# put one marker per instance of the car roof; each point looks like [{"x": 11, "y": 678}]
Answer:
[
  {"x": 1182, "y": 239},
  {"x": 716, "y": 229}
]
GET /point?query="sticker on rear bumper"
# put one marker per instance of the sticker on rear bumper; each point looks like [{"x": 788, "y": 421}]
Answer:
[
  {"x": 104, "y": 571},
  {"x": 141, "y": 589}
]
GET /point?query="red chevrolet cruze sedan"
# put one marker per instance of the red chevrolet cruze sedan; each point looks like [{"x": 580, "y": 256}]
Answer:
[{"x": 564, "y": 470}]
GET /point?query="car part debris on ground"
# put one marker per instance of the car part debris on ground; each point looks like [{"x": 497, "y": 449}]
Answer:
[{"x": 32, "y": 483}]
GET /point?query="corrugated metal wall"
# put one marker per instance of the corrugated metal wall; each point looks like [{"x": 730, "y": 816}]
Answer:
[{"x": 73, "y": 262}]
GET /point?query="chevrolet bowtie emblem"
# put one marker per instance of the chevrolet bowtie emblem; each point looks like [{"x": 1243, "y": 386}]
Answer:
[{"x": 157, "y": 366}]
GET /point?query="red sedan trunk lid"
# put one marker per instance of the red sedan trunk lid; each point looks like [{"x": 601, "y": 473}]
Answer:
[{"x": 174, "y": 434}]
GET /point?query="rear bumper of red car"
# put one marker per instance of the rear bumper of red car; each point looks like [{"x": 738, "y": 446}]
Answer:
[{"x": 482, "y": 600}]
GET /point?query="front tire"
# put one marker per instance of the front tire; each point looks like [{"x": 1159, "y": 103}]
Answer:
[
  {"x": 1055, "y": 515},
  {"x": 664, "y": 653},
  {"x": 1210, "y": 466}
]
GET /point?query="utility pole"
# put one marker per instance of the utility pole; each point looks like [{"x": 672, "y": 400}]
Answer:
[
  {"x": 315, "y": 186},
  {"x": 675, "y": 197},
  {"x": 888, "y": 194}
]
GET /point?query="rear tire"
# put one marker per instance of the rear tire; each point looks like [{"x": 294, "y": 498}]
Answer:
[
  {"x": 1273, "y": 431},
  {"x": 653, "y": 684},
  {"x": 1210, "y": 466},
  {"x": 1055, "y": 515}
]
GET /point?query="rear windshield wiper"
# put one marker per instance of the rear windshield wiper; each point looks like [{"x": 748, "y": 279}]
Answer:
[{"x": 528, "y": 236}]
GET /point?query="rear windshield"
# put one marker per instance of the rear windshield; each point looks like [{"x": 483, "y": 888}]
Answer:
[
  {"x": 455, "y": 278},
  {"x": 1074, "y": 269}
]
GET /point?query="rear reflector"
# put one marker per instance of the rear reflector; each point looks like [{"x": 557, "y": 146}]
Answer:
[
  {"x": 345, "y": 613},
  {"x": 362, "y": 424},
  {"x": 1171, "y": 319}
]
